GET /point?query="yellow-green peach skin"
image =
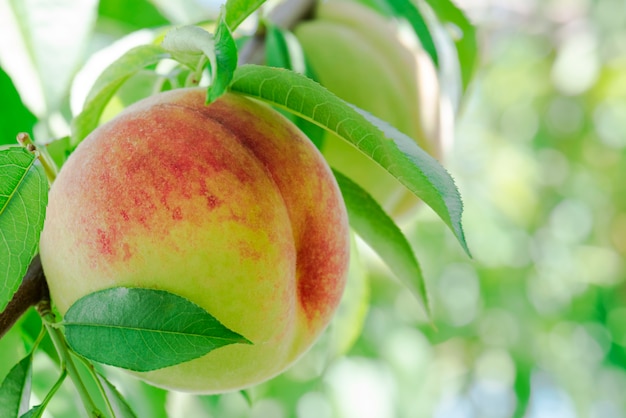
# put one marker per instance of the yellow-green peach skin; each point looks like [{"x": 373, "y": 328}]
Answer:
[
  {"x": 358, "y": 55},
  {"x": 228, "y": 205}
]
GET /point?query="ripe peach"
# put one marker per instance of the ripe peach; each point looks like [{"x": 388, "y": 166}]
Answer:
[{"x": 228, "y": 205}]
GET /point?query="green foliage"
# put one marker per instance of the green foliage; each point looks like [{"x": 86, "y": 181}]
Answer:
[
  {"x": 372, "y": 224},
  {"x": 16, "y": 117},
  {"x": 191, "y": 46},
  {"x": 37, "y": 411},
  {"x": 408, "y": 10},
  {"x": 391, "y": 149},
  {"x": 279, "y": 49},
  {"x": 15, "y": 389},
  {"x": 133, "y": 15},
  {"x": 282, "y": 50},
  {"x": 225, "y": 61},
  {"x": 143, "y": 329},
  {"x": 237, "y": 10},
  {"x": 23, "y": 200},
  {"x": 466, "y": 42}
]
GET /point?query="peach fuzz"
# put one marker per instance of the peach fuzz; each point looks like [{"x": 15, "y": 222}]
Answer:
[{"x": 228, "y": 205}]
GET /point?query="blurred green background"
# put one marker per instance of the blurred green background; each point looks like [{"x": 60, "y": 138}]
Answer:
[{"x": 533, "y": 326}]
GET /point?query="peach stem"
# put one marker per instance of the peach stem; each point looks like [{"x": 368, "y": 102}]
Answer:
[{"x": 48, "y": 166}]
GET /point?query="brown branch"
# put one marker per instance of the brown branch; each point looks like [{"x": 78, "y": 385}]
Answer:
[{"x": 34, "y": 288}]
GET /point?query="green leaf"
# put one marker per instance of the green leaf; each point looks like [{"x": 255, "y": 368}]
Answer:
[
  {"x": 195, "y": 47},
  {"x": 121, "y": 408},
  {"x": 380, "y": 232},
  {"x": 238, "y": 10},
  {"x": 247, "y": 396},
  {"x": 190, "y": 45},
  {"x": 466, "y": 42},
  {"x": 283, "y": 50},
  {"x": 15, "y": 163},
  {"x": 276, "y": 48},
  {"x": 108, "y": 83},
  {"x": 23, "y": 200},
  {"x": 37, "y": 411},
  {"x": 143, "y": 329},
  {"x": 225, "y": 61},
  {"x": 16, "y": 117},
  {"x": 135, "y": 15},
  {"x": 391, "y": 149},
  {"x": 408, "y": 10},
  {"x": 15, "y": 389}
]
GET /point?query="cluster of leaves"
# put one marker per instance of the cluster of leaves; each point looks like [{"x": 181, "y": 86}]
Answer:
[{"x": 198, "y": 53}]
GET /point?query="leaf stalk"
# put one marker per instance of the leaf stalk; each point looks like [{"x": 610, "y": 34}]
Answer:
[
  {"x": 46, "y": 162},
  {"x": 67, "y": 363}
]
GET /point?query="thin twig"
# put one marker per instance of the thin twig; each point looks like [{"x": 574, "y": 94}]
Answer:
[{"x": 33, "y": 290}]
